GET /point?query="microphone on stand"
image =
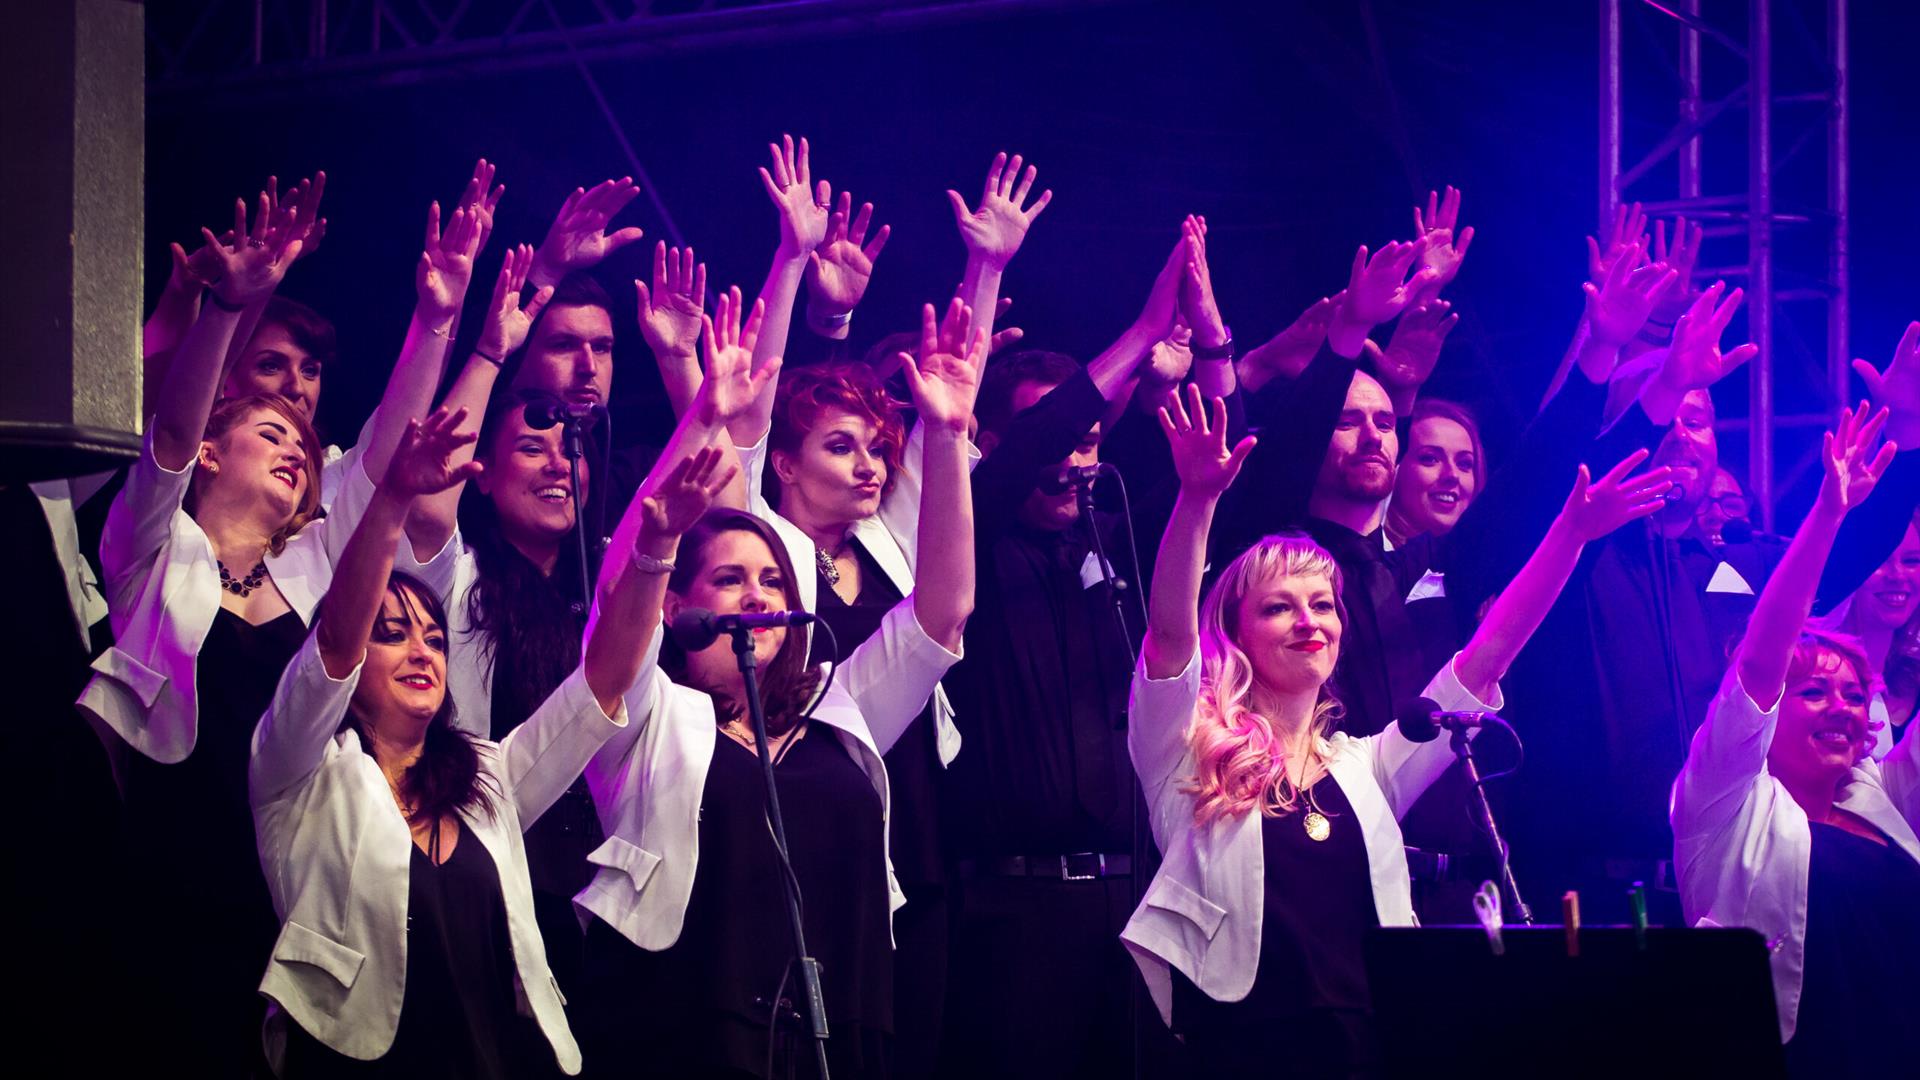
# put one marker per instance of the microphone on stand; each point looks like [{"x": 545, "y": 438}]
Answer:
[
  {"x": 1070, "y": 477},
  {"x": 543, "y": 413},
  {"x": 1422, "y": 720},
  {"x": 696, "y": 628}
]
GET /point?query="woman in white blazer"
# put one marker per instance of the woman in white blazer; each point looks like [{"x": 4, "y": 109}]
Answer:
[
  {"x": 688, "y": 950},
  {"x": 391, "y": 839},
  {"x": 1782, "y": 821},
  {"x": 215, "y": 556},
  {"x": 1250, "y": 934}
]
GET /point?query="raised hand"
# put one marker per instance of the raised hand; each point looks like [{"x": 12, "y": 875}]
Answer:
[
  {"x": 1598, "y": 507},
  {"x": 1629, "y": 231},
  {"x": 578, "y": 238},
  {"x": 731, "y": 384},
  {"x": 672, "y": 507},
  {"x": 1619, "y": 306},
  {"x": 1695, "y": 361},
  {"x": 1197, "y": 305},
  {"x": 1410, "y": 355},
  {"x": 1852, "y": 465},
  {"x": 839, "y": 269},
  {"x": 1897, "y": 389},
  {"x": 1292, "y": 349},
  {"x": 423, "y": 462},
  {"x": 994, "y": 230},
  {"x": 481, "y": 198},
  {"x": 1447, "y": 243},
  {"x": 802, "y": 206},
  {"x": 446, "y": 266},
  {"x": 1163, "y": 299},
  {"x": 1171, "y": 359},
  {"x": 251, "y": 261},
  {"x": 1377, "y": 289},
  {"x": 1682, "y": 255},
  {"x": 1200, "y": 455},
  {"x": 508, "y": 320},
  {"x": 670, "y": 312},
  {"x": 299, "y": 210},
  {"x": 945, "y": 377}
]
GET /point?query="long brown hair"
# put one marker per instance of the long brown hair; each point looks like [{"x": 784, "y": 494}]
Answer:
[
  {"x": 787, "y": 684},
  {"x": 228, "y": 415}
]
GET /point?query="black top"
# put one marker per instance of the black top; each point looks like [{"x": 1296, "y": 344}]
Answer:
[
  {"x": 559, "y": 840},
  {"x": 1041, "y": 693},
  {"x": 702, "y": 1002},
  {"x": 1317, "y": 910},
  {"x": 458, "y": 1018},
  {"x": 913, "y": 765},
  {"x": 1863, "y": 947}
]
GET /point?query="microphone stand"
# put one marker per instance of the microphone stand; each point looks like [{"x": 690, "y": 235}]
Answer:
[
  {"x": 789, "y": 885},
  {"x": 573, "y": 444},
  {"x": 1463, "y": 749}
]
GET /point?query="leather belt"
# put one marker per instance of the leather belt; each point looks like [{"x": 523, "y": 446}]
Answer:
[{"x": 1079, "y": 866}]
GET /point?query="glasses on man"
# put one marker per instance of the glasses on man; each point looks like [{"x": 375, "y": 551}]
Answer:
[{"x": 1730, "y": 506}]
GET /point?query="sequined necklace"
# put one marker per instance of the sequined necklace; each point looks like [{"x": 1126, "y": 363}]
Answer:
[{"x": 243, "y": 586}]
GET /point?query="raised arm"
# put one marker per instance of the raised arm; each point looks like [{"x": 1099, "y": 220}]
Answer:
[
  {"x": 1594, "y": 509},
  {"x": 1413, "y": 351},
  {"x": 670, "y": 320},
  {"x": 1286, "y": 355},
  {"x": 578, "y": 239},
  {"x": 297, "y": 212},
  {"x": 993, "y": 232},
  {"x": 1852, "y": 468},
  {"x": 945, "y": 379},
  {"x": 839, "y": 270},
  {"x": 1446, "y": 242},
  {"x": 802, "y": 207},
  {"x": 1206, "y": 469},
  {"x": 250, "y": 265},
  {"x": 507, "y": 323}
]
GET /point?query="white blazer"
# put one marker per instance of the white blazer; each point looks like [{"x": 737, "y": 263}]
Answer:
[
  {"x": 1742, "y": 845},
  {"x": 163, "y": 591},
  {"x": 647, "y": 783},
  {"x": 337, "y": 855},
  {"x": 1203, "y": 911},
  {"x": 891, "y": 536}
]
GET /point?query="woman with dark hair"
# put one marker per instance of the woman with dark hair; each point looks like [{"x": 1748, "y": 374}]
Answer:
[
  {"x": 1783, "y": 822},
  {"x": 1443, "y": 468},
  {"x": 688, "y": 954},
  {"x": 1280, "y": 834},
  {"x": 390, "y": 838}
]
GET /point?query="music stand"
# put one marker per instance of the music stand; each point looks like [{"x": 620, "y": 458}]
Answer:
[{"x": 1664, "y": 1002}]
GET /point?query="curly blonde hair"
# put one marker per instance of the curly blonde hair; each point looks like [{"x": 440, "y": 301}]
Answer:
[
  {"x": 1240, "y": 763},
  {"x": 229, "y": 414}
]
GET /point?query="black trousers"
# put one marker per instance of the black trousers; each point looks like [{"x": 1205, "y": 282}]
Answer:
[{"x": 1039, "y": 984}]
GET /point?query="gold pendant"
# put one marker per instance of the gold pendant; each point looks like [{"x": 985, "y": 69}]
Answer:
[{"x": 1317, "y": 825}]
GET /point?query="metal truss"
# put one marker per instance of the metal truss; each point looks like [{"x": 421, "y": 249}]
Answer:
[
  {"x": 294, "y": 46},
  {"x": 1786, "y": 279}
]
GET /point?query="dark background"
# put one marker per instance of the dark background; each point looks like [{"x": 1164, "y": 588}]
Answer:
[{"x": 1299, "y": 129}]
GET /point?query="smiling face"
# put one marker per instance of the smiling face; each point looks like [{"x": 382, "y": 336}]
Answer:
[
  {"x": 839, "y": 472},
  {"x": 275, "y": 363},
  {"x": 1439, "y": 477},
  {"x": 1892, "y": 594},
  {"x": 1289, "y": 627},
  {"x": 404, "y": 678},
  {"x": 1359, "y": 462},
  {"x": 261, "y": 457},
  {"x": 570, "y": 355},
  {"x": 1054, "y": 512},
  {"x": 528, "y": 478},
  {"x": 737, "y": 572},
  {"x": 1822, "y": 729},
  {"x": 1691, "y": 451}
]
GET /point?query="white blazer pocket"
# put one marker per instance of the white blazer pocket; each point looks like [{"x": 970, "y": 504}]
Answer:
[
  {"x": 635, "y": 862},
  {"x": 299, "y": 945},
  {"x": 120, "y": 666},
  {"x": 1168, "y": 894}
]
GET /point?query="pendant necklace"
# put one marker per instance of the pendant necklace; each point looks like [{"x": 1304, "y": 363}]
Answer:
[
  {"x": 828, "y": 568},
  {"x": 1316, "y": 823},
  {"x": 243, "y": 586}
]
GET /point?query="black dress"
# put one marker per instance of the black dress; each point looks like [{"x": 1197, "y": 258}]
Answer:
[
  {"x": 700, "y": 1008},
  {"x": 1863, "y": 948},
  {"x": 1308, "y": 1012},
  {"x": 913, "y": 770},
  {"x": 458, "y": 1018},
  {"x": 209, "y": 924}
]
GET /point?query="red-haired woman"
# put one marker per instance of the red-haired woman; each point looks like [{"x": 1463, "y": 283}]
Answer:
[
  {"x": 1783, "y": 823},
  {"x": 1280, "y": 834}
]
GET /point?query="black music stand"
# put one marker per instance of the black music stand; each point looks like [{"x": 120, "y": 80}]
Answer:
[{"x": 1663, "y": 1002}]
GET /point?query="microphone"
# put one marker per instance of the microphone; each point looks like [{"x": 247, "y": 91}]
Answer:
[
  {"x": 1737, "y": 531},
  {"x": 696, "y": 628},
  {"x": 543, "y": 413},
  {"x": 1673, "y": 496},
  {"x": 1422, "y": 720},
  {"x": 1068, "y": 477}
]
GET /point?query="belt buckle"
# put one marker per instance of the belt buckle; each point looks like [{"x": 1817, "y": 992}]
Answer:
[{"x": 1067, "y": 874}]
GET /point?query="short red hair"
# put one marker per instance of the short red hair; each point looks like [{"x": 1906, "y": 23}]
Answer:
[{"x": 806, "y": 394}]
